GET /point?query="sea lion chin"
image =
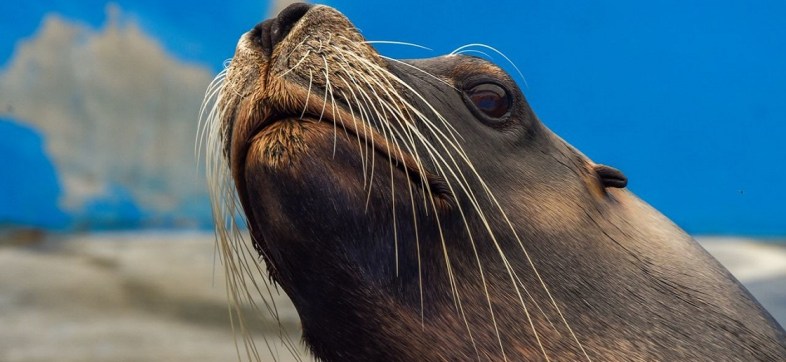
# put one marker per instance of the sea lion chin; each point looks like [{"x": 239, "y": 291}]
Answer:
[{"x": 419, "y": 210}]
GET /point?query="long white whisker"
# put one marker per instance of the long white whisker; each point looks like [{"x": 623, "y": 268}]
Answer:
[
  {"x": 476, "y": 52},
  {"x": 495, "y": 51},
  {"x": 420, "y": 70},
  {"x": 397, "y": 43}
]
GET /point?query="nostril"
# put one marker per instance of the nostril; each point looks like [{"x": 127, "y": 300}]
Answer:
[
  {"x": 261, "y": 35},
  {"x": 271, "y": 31},
  {"x": 285, "y": 20}
]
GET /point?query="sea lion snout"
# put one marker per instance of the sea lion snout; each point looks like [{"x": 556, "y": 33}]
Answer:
[{"x": 271, "y": 31}]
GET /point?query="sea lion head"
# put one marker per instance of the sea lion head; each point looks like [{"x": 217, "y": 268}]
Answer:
[
  {"x": 395, "y": 191},
  {"x": 416, "y": 208}
]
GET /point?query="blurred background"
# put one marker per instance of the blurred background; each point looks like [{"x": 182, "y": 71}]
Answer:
[{"x": 105, "y": 228}]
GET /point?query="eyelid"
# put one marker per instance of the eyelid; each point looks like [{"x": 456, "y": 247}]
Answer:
[{"x": 484, "y": 85}]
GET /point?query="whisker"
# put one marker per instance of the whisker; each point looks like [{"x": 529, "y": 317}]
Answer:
[
  {"x": 495, "y": 51},
  {"x": 236, "y": 257},
  {"x": 392, "y": 42},
  {"x": 308, "y": 93},
  {"x": 476, "y": 52},
  {"x": 303, "y": 58},
  {"x": 420, "y": 70}
]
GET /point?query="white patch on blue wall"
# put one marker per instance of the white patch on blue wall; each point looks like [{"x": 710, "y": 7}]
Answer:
[{"x": 118, "y": 113}]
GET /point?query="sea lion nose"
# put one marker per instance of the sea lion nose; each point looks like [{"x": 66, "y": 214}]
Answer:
[
  {"x": 286, "y": 20},
  {"x": 271, "y": 31}
]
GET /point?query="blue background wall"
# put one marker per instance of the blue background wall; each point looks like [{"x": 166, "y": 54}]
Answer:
[
  {"x": 687, "y": 98},
  {"x": 29, "y": 183}
]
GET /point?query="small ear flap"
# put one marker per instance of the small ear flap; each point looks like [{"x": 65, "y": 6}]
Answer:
[{"x": 611, "y": 177}]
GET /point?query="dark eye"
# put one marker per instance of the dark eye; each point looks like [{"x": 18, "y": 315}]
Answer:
[{"x": 491, "y": 99}]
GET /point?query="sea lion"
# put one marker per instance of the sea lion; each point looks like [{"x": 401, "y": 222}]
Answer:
[{"x": 418, "y": 210}]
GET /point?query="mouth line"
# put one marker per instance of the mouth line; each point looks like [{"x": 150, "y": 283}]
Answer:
[{"x": 367, "y": 135}]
